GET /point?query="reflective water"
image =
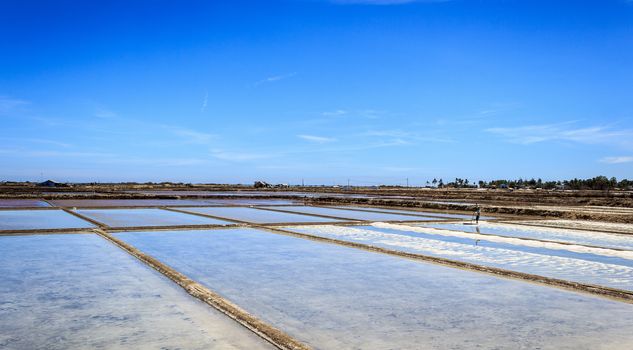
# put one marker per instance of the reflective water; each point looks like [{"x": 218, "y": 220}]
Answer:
[
  {"x": 587, "y": 225},
  {"x": 423, "y": 213},
  {"x": 258, "y": 216},
  {"x": 266, "y": 193},
  {"x": 39, "y": 219},
  {"x": 354, "y": 214},
  {"x": 334, "y": 297},
  {"x": 601, "y": 239},
  {"x": 22, "y": 203},
  {"x": 81, "y": 292},
  {"x": 575, "y": 263},
  {"x": 146, "y": 217},
  {"x": 247, "y": 201},
  {"x": 99, "y": 203}
]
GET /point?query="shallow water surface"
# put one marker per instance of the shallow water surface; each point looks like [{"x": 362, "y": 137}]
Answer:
[
  {"x": 334, "y": 297},
  {"x": 422, "y": 213},
  {"x": 353, "y": 214},
  {"x": 146, "y": 217},
  {"x": 81, "y": 292},
  {"x": 574, "y": 263},
  {"x": 250, "y": 201},
  {"x": 257, "y": 216},
  {"x": 40, "y": 219},
  {"x": 22, "y": 203},
  {"x": 103, "y": 203},
  {"x": 595, "y": 238},
  {"x": 586, "y": 225}
]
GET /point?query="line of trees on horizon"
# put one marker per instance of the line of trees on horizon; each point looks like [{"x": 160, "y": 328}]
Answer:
[{"x": 594, "y": 183}]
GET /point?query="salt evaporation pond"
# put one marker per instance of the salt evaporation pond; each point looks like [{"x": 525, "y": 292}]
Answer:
[
  {"x": 594, "y": 238},
  {"x": 40, "y": 219},
  {"x": 421, "y": 213},
  {"x": 105, "y": 203},
  {"x": 258, "y": 216},
  {"x": 352, "y": 214},
  {"x": 81, "y": 292},
  {"x": 246, "y": 201},
  {"x": 22, "y": 203},
  {"x": 604, "y": 267},
  {"x": 259, "y": 194},
  {"x": 146, "y": 217},
  {"x": 581, "y": 224},
  {"x": 334, "y": 297}
]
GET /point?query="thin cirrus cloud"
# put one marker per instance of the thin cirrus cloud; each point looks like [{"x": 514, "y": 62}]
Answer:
[
  {"x": 239, "y": 156},
  {"x": 335, "y": 113},
  {"x": 532, "y": 134},
  {"x": 105, "y": 113},
  {"x": 617, "y": 160},
  {"x": 363, "y": 113},
  {"x": 405, "y": 137},
  {"x": 189, "y": 135},
  {"x": 52, "y": 153},
  {"x": 205, "y": 101},
  {"x": 316, "y": 139},
  {"x": 35, "y": 141},
  {"x": 9, "y": 104},
  {"x": 109, "y": 121},
  {"x": 274, "y": 78}
]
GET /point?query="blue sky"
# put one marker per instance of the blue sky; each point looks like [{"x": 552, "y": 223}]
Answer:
[{"x": 372, "y": 91}]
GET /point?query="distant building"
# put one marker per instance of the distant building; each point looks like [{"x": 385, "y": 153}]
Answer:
[
  {"x": 51, "y": 183},
  {"x": 261, "y": 184}
]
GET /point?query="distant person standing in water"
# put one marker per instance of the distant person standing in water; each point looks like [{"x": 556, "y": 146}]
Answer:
[{"x": 477, "y": 213}]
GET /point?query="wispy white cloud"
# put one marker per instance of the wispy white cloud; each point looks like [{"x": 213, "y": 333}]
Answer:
[
  {"x": 405, "y": 136},
  {"x": 275, "y": 78},
  {"x": 239, "y": 156},
  {"x": 388, "y": 133},
  {"x": 8, "y": 104},
  {"x": 567, "y": 131},
  {"x": 189, "y": 135},
  {"x": 363, "y": 113},
  {"x": 153, "y": 161},
  {"x": 371, "y": 113},
  {"x": 115, "y": 124},
  {"x": 103, "y": 157},
  {"x": 247, "y": 156},
  {"x": 492, "y": 113},
  {"x": 362, "y": 146},
  {"x": 316, "y": 139},
  {"x": 338, "y": 115},
  {"x": 335, "y": 113},
  {"x": 205, "y": 101},
  {"x": 105, "y": 113},
  {"x": 617, "y": 160},
  {"x": 36, "y": 140},
  {"x": 49, "y": 153}
]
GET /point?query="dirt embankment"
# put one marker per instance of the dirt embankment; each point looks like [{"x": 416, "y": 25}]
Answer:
[
  {"x": 551, "y": 213},
  {"x": 489, "y": 196},
  {"x": 551, "y": 204}
]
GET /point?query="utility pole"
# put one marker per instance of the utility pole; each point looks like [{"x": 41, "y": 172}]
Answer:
[
  {"x": 348, "y": 184},
  {"x": 302, "y": 185},
  {"x": 407, "y": 182}
]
